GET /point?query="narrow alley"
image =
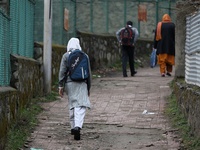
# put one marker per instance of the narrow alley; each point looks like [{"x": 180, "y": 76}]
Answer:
[{"x": 127, "y": 114}]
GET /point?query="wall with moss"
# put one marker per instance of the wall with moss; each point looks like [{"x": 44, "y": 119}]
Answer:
[
  {"x": 188, "y": 100},
  {"x": 26, "y": 83},
  {"x": 104, "y": 49},
  {"x": 10, "y": 102},
  {"x": 57, "y": 52}
]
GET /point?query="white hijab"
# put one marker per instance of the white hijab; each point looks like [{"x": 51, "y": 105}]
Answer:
[{"x": 73, "y": 44}]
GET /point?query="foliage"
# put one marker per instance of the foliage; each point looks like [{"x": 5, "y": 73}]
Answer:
[
  {"x": 25, "y": 122},
  {"x": 178, "y": 121}
]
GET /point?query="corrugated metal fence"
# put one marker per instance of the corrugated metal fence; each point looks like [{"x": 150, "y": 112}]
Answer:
[
  {"x": 16, "y": 35},
  {"x": 4, "y": 48},
  {"x": 192, "y": 49}
]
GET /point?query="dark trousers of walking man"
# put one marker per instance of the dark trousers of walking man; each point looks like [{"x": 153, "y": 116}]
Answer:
[{"x": 128, "y": 55}]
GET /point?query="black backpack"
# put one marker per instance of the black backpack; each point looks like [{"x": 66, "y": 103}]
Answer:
[{"x": 127, "y": 36}]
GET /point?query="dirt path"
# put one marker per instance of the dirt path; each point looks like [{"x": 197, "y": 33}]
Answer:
[{"x": 126, "y": 114}]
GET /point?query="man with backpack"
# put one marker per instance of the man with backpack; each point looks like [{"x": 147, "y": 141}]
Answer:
[
  {"x": 75, "y": 79},
  {"x": 127, "y": 37}
]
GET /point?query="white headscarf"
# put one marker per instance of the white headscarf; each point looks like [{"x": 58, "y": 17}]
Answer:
[{"x": 73, "y": 44}]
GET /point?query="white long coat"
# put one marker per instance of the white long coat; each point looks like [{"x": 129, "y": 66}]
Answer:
[{"x": 77, "y": 91}]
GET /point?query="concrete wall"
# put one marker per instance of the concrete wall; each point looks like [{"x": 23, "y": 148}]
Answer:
[{"x": 184, "y": 9}]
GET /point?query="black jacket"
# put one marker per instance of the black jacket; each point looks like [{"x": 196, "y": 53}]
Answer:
[{"x": 167, "y": 44}]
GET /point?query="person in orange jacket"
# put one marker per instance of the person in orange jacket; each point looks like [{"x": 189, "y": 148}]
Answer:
[{"x": 164, "y": 42}]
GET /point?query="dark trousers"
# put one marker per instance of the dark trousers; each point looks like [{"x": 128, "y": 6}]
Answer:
[{"x": 128, "y": 55}]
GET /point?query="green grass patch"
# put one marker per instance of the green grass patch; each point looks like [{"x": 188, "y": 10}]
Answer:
[
  {"x": 178, "y": 121},
  {"x": 26, "y": 120},
  {"x": 49, "y": 98},
  {"x": 117, "y": 66},
  {"x": 102, "y": 71}
]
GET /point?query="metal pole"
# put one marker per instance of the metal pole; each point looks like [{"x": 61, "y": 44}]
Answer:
[
  {"x": 138, "y": 19},
  {"x": 125, "y": 7},
  {"x": 47, "y": 49},
  {"x": 91, "y": 15},
  {"x": 169, "y": 7},
  {"x": 62, "y": 19},
  {"x": 75, "y": 19},
  {"x": 107, "y": 16},
  {"x": 157, "y": 11}
]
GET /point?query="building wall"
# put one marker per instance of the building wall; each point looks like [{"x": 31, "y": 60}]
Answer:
[
  {"x": 100, "y": 17},
  {"x": 184, "y": 10}
]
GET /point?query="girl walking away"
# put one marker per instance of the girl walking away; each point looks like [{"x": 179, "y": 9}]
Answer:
[{"x": 77, "y": 91}]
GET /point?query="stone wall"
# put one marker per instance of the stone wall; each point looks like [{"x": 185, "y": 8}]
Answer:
[
  {"x": 188, "y": 99},
  {"x": 57, "y": 52},
  {"x": 26, "y": 83},
  {"x": 104, "y": 49},
  {"x": 26, "y": 77},
  {"x": 10, "y": 102}
]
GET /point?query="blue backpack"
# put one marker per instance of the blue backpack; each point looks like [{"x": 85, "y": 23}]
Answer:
[{"x": 78, "y": 67}]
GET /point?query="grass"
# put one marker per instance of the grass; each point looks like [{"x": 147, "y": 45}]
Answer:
[
  {"x": 25, "y": 122},
  {"x": 102, "y": 71},
  {"x": 178, "y": 121}
]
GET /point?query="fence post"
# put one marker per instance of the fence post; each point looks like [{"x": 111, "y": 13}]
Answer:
[
  {"x": 170, "y": 8},
  {"x": 75, "y": 17},
  {"x": 157, "y": 11},
  {"x": 91, "y": 15},
  {"x": 125, "y": 7},
  {"x": 107, "y": 15},
  {"x": 138, "y": 19}
]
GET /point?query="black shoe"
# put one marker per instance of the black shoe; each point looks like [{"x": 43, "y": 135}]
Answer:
[
  {"x": 72, "y": 131},
  {"x": 77, "y": 135},
  {"x": 133, "y": 73},
  {"x": 125, "y": 75},
  {"x": 168, "y": 74},
  {"x": 162, "y": 75}
]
